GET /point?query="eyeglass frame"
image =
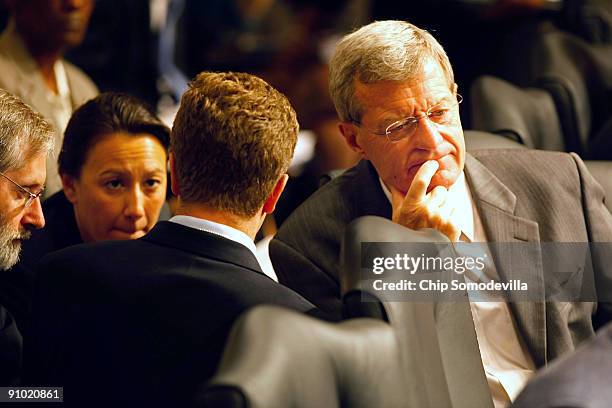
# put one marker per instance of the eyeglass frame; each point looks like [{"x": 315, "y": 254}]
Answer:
[
  {"x": 413, "y": 119},
  {"x": 31, "y": 196}
]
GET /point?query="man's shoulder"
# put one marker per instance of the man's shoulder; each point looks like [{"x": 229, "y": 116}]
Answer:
[
  {"x": 521, "y": 155},
  {"x": 149, "y": 266},
  {"x": 82, "y": 86},
  {"x": 353, "y": 193},
  {"x": 168, "y": 249},
  {"x": 103, "y": 254},
  {"x": 10, "y": 349},
  {"x": 530, "y": 165},
  {"x": 343, "y": 183}
]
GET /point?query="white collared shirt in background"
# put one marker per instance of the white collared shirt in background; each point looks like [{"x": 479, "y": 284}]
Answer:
[{"x": 60, "y": 109}]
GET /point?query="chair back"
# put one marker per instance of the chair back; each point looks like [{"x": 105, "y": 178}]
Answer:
[{"x": 276, "y": 357}]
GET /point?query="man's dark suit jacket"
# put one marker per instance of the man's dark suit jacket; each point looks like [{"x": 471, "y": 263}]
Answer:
[
  {"x": 521, "y": 196},
  {"x": 141, "y": 323},
  {"x": 16, "y": 284},
  {"x": 10, "y": 350},
  {"x": 60, "y": 231}
]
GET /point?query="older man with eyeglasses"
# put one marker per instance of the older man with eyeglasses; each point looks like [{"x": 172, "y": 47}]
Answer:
[
  {"x": 26, "y": 139},
  {"x": 393, "y": 88}
]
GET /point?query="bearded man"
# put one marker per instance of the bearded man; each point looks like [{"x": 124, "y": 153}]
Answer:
[{"x": 25, "y": 141}]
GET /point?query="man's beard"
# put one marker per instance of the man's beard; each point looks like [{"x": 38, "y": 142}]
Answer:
[{"x": 10, "y": 244}]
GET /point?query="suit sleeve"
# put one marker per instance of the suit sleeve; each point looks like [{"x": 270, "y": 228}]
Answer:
[
  {"x": 45, "y": 347},
  {"x": 297, "y": 272},
  {"x": 599, "y": 227},
  {"x": 10, "y": 350}
]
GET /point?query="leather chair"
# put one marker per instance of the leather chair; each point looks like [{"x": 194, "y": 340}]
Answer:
[
  {"x": 516, "y": 113},
  {"x": 475, "y": 140},
  {"x": 276, "y": 357},
  {"x": 576, "y": 74},
  {"x": 429, "y": 334}
]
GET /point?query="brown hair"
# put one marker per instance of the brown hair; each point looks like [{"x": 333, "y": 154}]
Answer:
[
  {"x": 233, "y": 137},
  {"x": 101, "y": 116}
]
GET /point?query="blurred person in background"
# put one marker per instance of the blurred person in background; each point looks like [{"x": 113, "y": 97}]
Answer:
[
  {"x": 32, "y": 46},
  {"x": 25, "y": 141},
  {"x": 113, "y": 165}
]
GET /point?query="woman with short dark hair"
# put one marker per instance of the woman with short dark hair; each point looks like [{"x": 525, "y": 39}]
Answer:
[{"x": 113, "y": 166}]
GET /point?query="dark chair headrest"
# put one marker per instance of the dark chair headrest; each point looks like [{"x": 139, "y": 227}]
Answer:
[
  {"x": 276, "y": 357},
  {"x": 375, "y": 229},
  {"x": 475, "y": 139},
  {"x": 527, "y": 115}
]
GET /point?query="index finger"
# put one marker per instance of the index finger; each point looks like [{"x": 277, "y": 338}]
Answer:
[{"x": 422, "y": 179}]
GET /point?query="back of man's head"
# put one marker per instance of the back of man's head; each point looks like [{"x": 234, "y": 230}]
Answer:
[
  {"x": 24, "y": 133},
  {"x": 232, "y": 139}
]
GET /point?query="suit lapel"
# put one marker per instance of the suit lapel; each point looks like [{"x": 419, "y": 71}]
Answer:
[
  {"x": 507, "y": 234},
  {"x": 203, "y": 244}
]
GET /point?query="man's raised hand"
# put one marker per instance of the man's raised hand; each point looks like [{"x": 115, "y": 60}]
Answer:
[{"x": 419, "y": 209}]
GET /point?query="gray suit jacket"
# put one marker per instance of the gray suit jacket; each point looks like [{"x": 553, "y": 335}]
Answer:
[
  {"x": 21, "y": 76},
  {"x": 521, "y": 196}
]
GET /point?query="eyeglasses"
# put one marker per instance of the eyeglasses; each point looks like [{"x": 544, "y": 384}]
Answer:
[
  {"x": 31, "y": 196},
  {"x": 441, "y": 114}
]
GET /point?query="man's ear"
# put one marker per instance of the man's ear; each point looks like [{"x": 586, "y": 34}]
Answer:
[
  {"x": 270, "y": 204},
  {"x": 174, "y": 183},
  {"x": 350, "y": 132},
  {"x": 69, "y": 187}
]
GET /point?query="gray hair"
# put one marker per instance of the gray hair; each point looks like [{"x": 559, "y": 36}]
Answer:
[
  {"x": 23, "y": 132},
  {"x": 380, "y": 51}
]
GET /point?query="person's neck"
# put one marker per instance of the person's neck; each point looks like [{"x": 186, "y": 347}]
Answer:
[
  {"x": 249, "y": 226},
  {"x": 46, "y": 59}
]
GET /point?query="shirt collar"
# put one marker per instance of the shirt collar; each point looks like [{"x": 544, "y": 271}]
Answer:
[
  {"x": 464, "y": 209},
  {"x": 61, "y": 79},
  {"x": 222, "y": 230}
]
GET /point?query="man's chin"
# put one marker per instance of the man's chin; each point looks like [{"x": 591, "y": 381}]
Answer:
[
  {"x": 9, "y": 255},
  {"x": 10, "y": 248}
]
